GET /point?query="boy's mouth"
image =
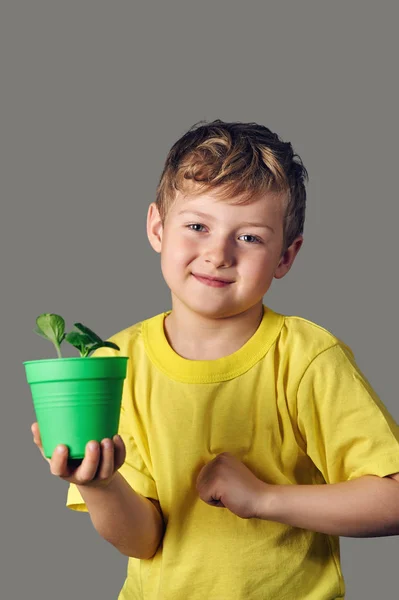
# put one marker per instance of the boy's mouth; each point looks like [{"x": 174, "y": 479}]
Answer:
[{"x": 212, "y": 281}]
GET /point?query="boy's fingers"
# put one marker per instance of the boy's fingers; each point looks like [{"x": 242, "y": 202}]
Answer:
[
  {"x": 87, "y": 470},
  {"x": 37, "y": 439},
  {"x": 119, "y": 452},
  {"x": 36, "y": 434},
  {"x": 106, "y": 466},
  {"x": 59, "y": 462},
  {"x": 99, "y": 463}
]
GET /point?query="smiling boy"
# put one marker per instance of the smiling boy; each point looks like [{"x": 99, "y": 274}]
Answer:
[
  {"x": 219, "y": 259},
  {"x": 249, "y": 440}
]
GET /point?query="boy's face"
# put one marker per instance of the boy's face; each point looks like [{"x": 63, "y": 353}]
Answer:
[{"x": 204, "y": 236}]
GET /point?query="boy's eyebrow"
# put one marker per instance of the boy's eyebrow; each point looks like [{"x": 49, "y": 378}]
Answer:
[{"x": 205, "y": 216}]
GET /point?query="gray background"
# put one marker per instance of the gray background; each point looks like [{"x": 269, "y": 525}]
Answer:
[{"x": 93, "y": 94}]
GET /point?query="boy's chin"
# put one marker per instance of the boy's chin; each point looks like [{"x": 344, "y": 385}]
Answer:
[{"x": 222, "y": 310}]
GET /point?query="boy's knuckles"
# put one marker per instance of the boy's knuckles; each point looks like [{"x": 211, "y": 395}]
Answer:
[
  {"x": 82, "y": 480},
  {"x": 86, "y": 475},
  {"x": 102, "y": 478}
]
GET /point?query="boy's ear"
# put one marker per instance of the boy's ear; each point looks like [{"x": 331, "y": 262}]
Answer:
[
  {"x": 154, "y": 227},
  {"x": 287, "y": 260}
]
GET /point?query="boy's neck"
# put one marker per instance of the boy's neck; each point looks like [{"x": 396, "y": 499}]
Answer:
[{"x": 196, "y": 337}]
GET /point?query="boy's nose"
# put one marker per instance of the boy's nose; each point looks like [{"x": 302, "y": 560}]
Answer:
[{"x": 220, "y": 254}]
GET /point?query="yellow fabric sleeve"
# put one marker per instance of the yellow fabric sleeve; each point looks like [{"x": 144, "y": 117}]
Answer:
[{"x": 347, "y": 430}]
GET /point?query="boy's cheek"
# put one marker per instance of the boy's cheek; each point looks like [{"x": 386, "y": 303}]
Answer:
[{"x": 179, "y": 256}]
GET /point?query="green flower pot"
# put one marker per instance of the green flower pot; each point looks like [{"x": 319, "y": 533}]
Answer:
[{"x": 76, "y": 400}]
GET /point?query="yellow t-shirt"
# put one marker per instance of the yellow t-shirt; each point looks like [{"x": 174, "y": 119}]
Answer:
[{"x": 293, "y": 406}]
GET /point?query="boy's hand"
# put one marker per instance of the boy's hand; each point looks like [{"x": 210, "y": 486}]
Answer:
[
  {"x": 97, "y": 468},
  {"x": 227, "y": 483}
]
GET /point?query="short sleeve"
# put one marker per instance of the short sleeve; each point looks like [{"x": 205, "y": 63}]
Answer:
[
  {"x": 347, "y": 430},
  {"x": 137, "y": 466}
]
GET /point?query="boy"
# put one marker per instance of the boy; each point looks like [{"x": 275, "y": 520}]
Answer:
[{"x": 249, "y": 441}]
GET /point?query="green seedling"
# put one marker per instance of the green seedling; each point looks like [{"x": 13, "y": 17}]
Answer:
[{"x": 52, "y": 327}]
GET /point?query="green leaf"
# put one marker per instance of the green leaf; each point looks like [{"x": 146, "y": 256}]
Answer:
[
  {"x": 110, "y": 345},
  {"x": 94, "y": 337},
  {"x": 81, "y": 341},
  {"x": 93, "y": 341},
  {"x": 40, "y": 332},
  {"x": 51, "y": 327}
]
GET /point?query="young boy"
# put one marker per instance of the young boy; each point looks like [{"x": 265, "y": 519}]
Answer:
[{"x": 249, "y": 441}]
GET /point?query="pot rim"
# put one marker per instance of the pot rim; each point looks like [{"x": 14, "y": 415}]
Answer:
[{"x": 72, "y": 358}]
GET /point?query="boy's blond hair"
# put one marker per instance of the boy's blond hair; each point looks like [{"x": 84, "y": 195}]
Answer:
[{"x": 239, "y": 162}]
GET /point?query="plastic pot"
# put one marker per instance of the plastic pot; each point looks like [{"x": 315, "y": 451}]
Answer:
[{"x": 76, "y": 400}]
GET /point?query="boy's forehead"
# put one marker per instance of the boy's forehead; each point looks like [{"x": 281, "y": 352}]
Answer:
[{"x": 264, "y": 203}]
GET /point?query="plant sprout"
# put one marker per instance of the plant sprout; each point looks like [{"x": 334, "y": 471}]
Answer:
[{"x": 52, "y": 327}]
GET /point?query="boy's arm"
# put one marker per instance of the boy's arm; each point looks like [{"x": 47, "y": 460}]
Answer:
[
  {"x": 127, "y": 520},
  {"x": 364, "y": 507}
]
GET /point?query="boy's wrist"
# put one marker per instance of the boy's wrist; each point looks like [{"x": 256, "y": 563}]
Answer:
[{"x": 267, "y": 502}]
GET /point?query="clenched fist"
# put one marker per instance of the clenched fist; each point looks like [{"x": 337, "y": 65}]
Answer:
[{"x": 227, "y": 483}]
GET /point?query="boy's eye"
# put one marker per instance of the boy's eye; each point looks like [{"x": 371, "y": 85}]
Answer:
[
  {"x": 252, "y": 239},
  {"x": 195, "y": 226}
]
